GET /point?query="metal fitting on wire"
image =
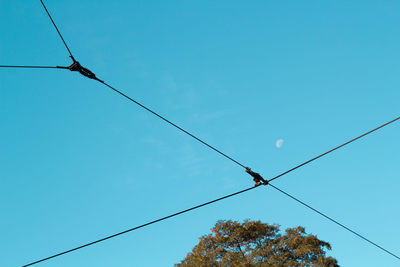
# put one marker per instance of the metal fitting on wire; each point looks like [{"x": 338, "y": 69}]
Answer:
[{"x": 257, "y": 178}]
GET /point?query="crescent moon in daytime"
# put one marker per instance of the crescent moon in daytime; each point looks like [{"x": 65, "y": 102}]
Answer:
[{"x": 279, "y": 143}]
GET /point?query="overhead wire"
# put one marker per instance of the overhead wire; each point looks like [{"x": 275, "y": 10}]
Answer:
[
  {"x": 333, "y": 149},
  {"x": 173, "y": 124},
  {"x": 30, "y": 67},
  {"x": 140, "y": 226},
  {"x": 205, "y": 204},
  {"x": 131, "y": 99},
  {"x": 200, "y": 140},
  {"x": 334, "y": 221},
  {"x": 213, "y": 148},
  {"x": 286, "y": 172},
  {"x": 55, "y": 26},
  {"x": 230, "y": 158}
]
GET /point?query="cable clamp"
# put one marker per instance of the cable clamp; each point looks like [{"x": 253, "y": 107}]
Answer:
[
  {"x": 257, "y": 178},
  {"x": 76, "y": 66}
]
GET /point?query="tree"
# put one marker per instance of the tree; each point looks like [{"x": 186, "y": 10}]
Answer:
[{"x": 253, "y": 243}]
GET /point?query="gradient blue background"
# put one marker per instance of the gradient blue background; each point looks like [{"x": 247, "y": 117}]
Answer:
[{"x": 78, "y": 162}]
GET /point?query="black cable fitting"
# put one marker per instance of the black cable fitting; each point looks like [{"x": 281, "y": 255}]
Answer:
[
  {"x": 257, "y": 178},
  {"x": 76, "y": 66}
]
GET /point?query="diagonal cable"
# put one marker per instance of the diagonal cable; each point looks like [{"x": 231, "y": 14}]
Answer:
[
  {"x": 207, "y": 203},
  {"x": 230, "y": 158},
  {"x": 198, "y": 139},
  {"x": 140, "y": 226},
  {"x": 55, "y": 26},
  {"x": 334, "y": 221},
  {"x": 173, "y": 124},
  {"x": 333, "y": 149},
  {"x": 202, "y": 205},
  {"x": 218, "y": 151}
]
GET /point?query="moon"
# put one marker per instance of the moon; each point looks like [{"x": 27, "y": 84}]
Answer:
[{"x": 279, "y": 143}]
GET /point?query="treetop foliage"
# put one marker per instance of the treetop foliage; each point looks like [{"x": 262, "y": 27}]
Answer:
[{"x": 253, "y": 243}]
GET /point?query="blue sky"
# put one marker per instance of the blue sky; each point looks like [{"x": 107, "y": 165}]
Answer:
[{"x": 78, "y": 162}]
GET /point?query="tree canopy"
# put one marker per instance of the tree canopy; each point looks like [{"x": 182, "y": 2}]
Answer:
[{"x": 253, "y": 243}]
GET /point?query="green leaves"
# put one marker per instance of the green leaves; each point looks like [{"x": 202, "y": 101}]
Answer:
[{"x": 253, "y": 243}]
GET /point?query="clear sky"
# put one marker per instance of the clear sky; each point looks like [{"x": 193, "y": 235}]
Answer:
[{"x": 79, "y": 162}]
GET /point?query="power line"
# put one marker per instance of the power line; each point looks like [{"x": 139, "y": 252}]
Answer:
[
  {"x": 175, "y": 214},
  {"x": 173, "y": 124},
  {"x": 202, "y": 205},
  {"x": 230, "y": 158},
  {"x": 203, "y": 142},
  {"x": 55, "y": 26},
  {"x": 323, "y": 154},
  {"x": 218, "y": 151},
  {"x": 141, "y": 105},
  {"x": 140, "y": 226},
  {"x": 286, "y": 172},
  {"x": 31, "y": 67},
  {"x": 129, "y": 98},
  {"x": 334, "y": 221}
]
